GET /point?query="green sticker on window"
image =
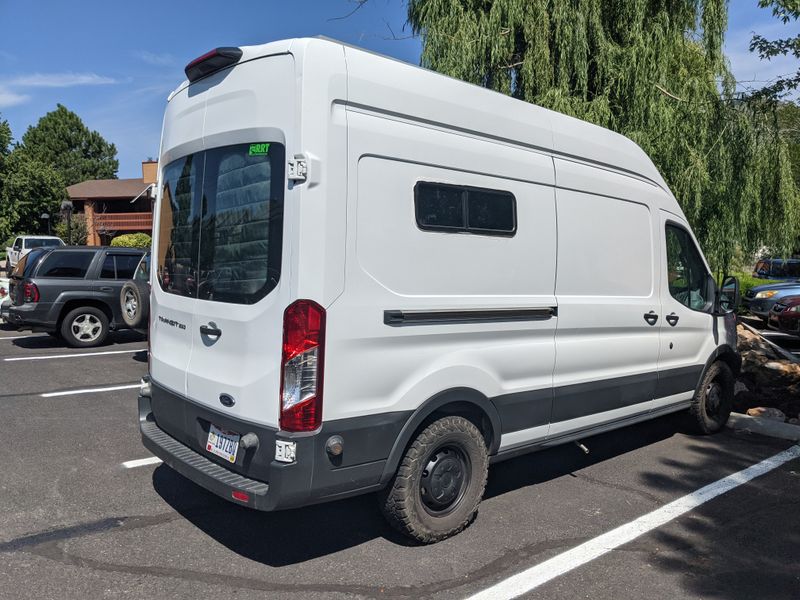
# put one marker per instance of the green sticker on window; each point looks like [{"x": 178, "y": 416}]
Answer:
[{"x": 258, "y": 149}]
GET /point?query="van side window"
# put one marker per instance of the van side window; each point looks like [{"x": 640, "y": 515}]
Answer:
[
  {"x": 686, "y": 273},
  {"x": 463, "y": 209}
]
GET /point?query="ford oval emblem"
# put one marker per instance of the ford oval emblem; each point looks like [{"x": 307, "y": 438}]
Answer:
[{"x": 226, "y": 400}]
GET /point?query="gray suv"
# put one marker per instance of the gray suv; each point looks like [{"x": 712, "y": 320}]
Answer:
[{"x": 72, "y": 292}]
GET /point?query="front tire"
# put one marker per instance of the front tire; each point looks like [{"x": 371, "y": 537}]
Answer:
[
  {"x": 85, "y": 327},
  {"x": 439, "y": 484},
  {"x": 713, "y": 399}
]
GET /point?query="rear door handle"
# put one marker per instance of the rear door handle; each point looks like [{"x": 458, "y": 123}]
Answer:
[
  {"x": 672, "y": 319},
  {"x": 651, "y": 317},
  {"x": 211, "y": 330}
]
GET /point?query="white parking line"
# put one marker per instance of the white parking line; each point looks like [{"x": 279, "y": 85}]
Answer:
[
  {"x": 113, "y": 388},
  {"x": 74, "y": 355},
  {"x": 140, "y": 462},
  {"x": 19, "y": 337},
  {"x": 540, "y": 574}
]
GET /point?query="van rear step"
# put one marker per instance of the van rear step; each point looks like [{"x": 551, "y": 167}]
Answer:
[{"x": 203, "y": 472}]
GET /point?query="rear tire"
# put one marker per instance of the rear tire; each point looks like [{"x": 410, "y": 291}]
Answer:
[
  {"x": 439, "y": 484},
  {"x": 713, "y": 399},
  {"x": 85, "y": 327}
]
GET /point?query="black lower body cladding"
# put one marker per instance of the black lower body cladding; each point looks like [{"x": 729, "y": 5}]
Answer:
[{"x": 175, "y": 429}]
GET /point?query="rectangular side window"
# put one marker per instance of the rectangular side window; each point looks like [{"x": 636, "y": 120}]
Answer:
[
  {"x": 686, "y": 273},
  {"x": 66, "y": 264},
  {"x": 108, "y": 272},
  {"x": 464, "y": 209}
]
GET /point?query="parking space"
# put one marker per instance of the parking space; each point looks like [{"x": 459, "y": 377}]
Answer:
[{"x": 75, "y": 522}]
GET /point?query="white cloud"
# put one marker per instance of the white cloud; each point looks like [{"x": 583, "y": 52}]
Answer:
[
  {"x": 59, "y": 80},
  {"x": 9, "y": 98},
  {"x": 158, "y": 60}
]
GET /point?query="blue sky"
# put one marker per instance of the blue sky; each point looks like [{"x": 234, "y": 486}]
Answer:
[{"x": 114, "y": 63}]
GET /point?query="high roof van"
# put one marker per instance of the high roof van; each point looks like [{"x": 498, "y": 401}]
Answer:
[{"x": 369, "y": 277}]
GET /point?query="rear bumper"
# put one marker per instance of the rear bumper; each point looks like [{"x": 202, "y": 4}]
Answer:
[
  {"x": 29, "y": 316},
  {"x": 175, "y": 429}
]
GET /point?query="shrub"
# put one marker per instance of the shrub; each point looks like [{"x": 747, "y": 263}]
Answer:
[
  {"x": 132, "y": 240},
  {"x": 79, "y": 231}
]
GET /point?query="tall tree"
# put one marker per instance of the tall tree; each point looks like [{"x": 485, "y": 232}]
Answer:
[
  {"x": 29, "y": 188},
  {"x": 767, "y": 49},
  {"x": 62, "y": 141},
  {"x": 652, "y": 70}
]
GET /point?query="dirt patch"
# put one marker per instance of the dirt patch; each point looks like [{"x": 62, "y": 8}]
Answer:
[{"x": 767, "y": 379}]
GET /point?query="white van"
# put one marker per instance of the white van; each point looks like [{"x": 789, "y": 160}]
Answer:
[{"x": 371, "y": 277}]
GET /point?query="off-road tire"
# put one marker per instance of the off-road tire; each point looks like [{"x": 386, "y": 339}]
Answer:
[
  {"x": 402, "y": 503},
  {"x": 70, "y": 338},
  {"x": 706, "y": 418}
]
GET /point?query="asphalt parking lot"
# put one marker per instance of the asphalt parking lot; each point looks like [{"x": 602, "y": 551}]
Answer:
[{"x": 76, "y": 523}]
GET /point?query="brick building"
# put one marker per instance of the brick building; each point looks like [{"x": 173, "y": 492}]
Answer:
[{"x": 113, "y": 207}]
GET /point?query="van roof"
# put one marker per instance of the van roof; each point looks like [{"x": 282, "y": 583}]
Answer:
[{"x": 411, "y": 91}]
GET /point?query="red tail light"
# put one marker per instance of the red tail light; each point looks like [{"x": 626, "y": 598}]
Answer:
[
  {"x": 30, "y": 293},
  {"x": 212, "y": 61},
  {"x": 302, "y": 366}
]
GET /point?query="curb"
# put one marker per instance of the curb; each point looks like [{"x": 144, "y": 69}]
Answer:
[{"x": 768, "y": 427}]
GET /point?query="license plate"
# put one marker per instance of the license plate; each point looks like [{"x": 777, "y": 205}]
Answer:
[{"x": 222, "y": 443}]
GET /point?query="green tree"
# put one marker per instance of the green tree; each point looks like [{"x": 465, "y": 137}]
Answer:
[
  {"x": 29, "y": 188},
  {"x": 62, "y": 141},
  {"x": 652, "y": 70},
  {"x": 785, "y": 11},
  {"x": 77, "y": 230}
]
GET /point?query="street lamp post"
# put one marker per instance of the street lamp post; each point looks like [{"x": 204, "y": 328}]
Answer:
[
  {"x": 66, "y": 210},
  {"x": 46, "y": 217}
]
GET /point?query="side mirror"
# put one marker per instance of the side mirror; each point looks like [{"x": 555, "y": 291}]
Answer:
[{"x": 728, "y": 298}]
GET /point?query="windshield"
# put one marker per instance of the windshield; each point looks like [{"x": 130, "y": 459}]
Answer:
[
  {"x": 143, "y": 270},
  {"x": 221, "y": 223},
  {"x": 43, "y": 243}
]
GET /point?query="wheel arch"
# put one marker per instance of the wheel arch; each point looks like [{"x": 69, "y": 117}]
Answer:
[{"x": 466, "y": 402}]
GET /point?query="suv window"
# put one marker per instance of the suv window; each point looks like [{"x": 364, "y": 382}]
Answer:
[
  {"x": 686, "y": 273},
  {"x": 18, "y": 244},
  {"x": 221, "y": 223},
  {"x": 119, "y": 266},
  {"x": 66, "y": 264},
  {"x": 451, "y": 208}
]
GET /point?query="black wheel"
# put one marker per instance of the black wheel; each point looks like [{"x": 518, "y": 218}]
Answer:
[
  {"x": 439, "y": 484},
  {"x": 713, "y": 400},
  {"x": 84, "y": 327},
  {"x": 134, "y": 302}
]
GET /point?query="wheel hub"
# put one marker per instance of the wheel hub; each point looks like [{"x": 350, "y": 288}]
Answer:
[
  {"x": 443, "y": 478},
  {"x": 713, "y": 398}
]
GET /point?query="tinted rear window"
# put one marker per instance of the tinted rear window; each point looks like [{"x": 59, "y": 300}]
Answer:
[
  {"x": 221, "y": 223},
  {"x": 66, "y": 264},
  {"x": 42, "y": 243},
  {"x": 119, "y": 266}
]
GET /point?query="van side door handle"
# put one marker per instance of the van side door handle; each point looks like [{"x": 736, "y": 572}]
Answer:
[
  {"x": 651, "y": 317},
  {"x": 672, "y": 319},
  {"x": 211, "y": 330}
]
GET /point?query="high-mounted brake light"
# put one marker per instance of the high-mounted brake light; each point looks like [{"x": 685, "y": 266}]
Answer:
[
  {"x": 212, "y": 61},
  {"x": 30, "y": 293},
  {"x": 302, "y": 366}
]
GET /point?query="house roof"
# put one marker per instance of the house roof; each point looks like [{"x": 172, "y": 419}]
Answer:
[{"x": 107, "y": 189}]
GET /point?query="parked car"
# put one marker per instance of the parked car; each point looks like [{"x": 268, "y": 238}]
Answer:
[
  {"x": 5, "y": 299},
  {"x": 760, "y": 299},
  {"x": 134, "y": 297},
  {"x": 72, "y": 292},
  {"x": 25, "y": 243},
  {"x": 785, "y": 315},
  {"x": 777, "y": 268},
  {"x": 377, "y": 280}
]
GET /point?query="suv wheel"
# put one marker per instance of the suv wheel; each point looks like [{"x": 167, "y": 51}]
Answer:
[
  {"x": 84, "y": 327},
  {"x": 440, "y": 481},
  {"x": 713, "y": 400}
]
